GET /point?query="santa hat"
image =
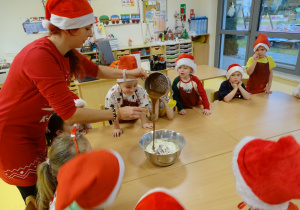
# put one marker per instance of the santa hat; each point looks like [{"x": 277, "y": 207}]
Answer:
[
  {"x": 266, "y": 172},
  {"x": 90, "y": 180},
  {"x": 127, "y": 62},
  {"x": 233, "y": 68},
  {"x": 158, "y": 199},
  {"x": 262, "y": 40},
  {"x": 187, "y": 60},
  {"x": 68, "y": 14}
]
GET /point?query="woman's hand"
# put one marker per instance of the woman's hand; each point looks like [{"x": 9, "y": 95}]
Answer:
[
  {"x": 137, "y": 73},
  {"x": 117, "y": 132},
  {"x": 130, "y": 112}
]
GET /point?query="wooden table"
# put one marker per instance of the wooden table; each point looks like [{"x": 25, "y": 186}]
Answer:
[
  {"x": 202, "y": 178},
  {"x": 204, "y": 72}
]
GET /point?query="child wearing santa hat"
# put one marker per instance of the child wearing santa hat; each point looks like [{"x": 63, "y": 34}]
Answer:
[
  {"x": 259, "y": 67},
  {"x": 267, "y": 173},
  {"x": 89, "y": 181},
  {"x": 233, "y": 87},
  {"x": 127, "y": 92},
  {"x": 188, "y": 89},
  {"x": 159, "y": 199}
]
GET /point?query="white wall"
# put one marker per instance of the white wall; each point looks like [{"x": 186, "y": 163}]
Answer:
[{"x": 13, "y": 37}]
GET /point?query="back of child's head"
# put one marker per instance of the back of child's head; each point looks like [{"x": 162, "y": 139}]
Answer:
[
  {"x": 262, "y": 40},
  {"x": 93, "y": 178},
  {"x": 127, "y": 62},
  {"x": 187, "y": 60},
  {"x": 55, "y": 124},
  {"x": 267, "y": 172},
  {"x": 234, "y": 68},
  {"x": 62, "y": 150}
]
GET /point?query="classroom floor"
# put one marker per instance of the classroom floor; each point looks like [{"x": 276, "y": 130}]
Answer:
[{"x": 10, "y": 198}]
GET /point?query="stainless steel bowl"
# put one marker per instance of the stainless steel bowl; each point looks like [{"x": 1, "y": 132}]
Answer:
[{"x": 172, "y": 136}]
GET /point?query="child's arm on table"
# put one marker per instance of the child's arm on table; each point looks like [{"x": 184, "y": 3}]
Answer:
[
  {"x": 145, "y": 125},
  {"x": 169, "y": 111},
  {"x": 117, "y": 130},
  {"x": 202, "y": 93},
  {"x": 244, "y": 92},
  {"x": 268, "y": 86},
  {"x": 251, "y": 68},
  {"x": 231, "y": 94}
]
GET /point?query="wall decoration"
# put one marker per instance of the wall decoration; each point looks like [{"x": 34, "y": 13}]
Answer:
[{"x": 33, "y": 25}]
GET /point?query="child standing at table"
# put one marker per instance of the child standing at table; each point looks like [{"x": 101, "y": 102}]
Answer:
[
  {"x": 188, "y": 89},
  {"x": 259, "y": 67},
  {"x": 62, "y": 150},
  {"x": 233, "y": 87},
  {"x": 267, "y": 173},
  {"x": 127, "y": 93}
]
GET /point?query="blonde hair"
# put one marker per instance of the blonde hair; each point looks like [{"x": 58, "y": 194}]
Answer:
[{"x": 62, "y": 150}]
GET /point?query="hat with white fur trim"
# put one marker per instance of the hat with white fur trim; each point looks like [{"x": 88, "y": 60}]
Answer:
[
  {"x": 158, "y": 198},
  {"x": 68, "y": 14},
  {"x": 233, "y": 68},
  {"x": 90, "y": 180},
  {"x": 187, "y": 60},
  {"x": 262, "y": 40},
  {"x": 127, "y": 62},
  {"x": 266, "y": 172}
]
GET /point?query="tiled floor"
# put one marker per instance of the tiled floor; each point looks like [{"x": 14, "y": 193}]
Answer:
[{"x": 10, "y": 198}]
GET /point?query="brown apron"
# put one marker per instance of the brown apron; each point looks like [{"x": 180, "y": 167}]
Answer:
[
  {"x": 259, "y": 78},
  {"x": 189, "y": 100}
]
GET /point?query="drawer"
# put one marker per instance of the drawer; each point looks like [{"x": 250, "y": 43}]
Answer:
[
  {"x": 168, "y": 52},
  {"x": 172, "y": 56},
  {"x": 122, "y": 52},
  {"x": 172, "y": 47},
  {"x": 156, "y": 50},
  {"x": 184, "y": 46}
]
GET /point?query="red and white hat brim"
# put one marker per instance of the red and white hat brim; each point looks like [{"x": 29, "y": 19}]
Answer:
[
  {"x": 65, "y": 23},
  {"x": 234, "y": 69},
  {"x": 80, "y": 103},
  {"x": 261, "y": 44},
  {"x": 186, "y": 62},
  {"x": 243, "y": 189}
]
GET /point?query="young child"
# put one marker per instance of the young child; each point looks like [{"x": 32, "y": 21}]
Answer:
[
  {"x": 127, "y": 93},
  {"x": 159, "y": 199},
  {"x": 233, "y": 87},
  {"x": 62, "y": 150},
  {"x": 259, "y": 67},
  {"x": 188, "y": 89},
  {"x": 267, "y": 173},
  {"x": 296, "y": 92},
  {"x": 94, "y": 180}
]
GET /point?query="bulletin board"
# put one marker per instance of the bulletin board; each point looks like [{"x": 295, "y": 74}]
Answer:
[{"x": 148, "y": 8}]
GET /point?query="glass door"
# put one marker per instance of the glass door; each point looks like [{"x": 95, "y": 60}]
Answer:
[{"x": 240, "y": 22}]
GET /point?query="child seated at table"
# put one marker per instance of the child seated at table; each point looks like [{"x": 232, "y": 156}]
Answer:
[
  {"x": 296, "y": 92},
  {"x": 127, "y": 93},
  {"x": 267, "y": 173},
  {"x": 233, "y": 87},
  {"x": 63, "y": 149},
  {"x": 259, "y": 67},
  {"x": 94, "y": 180},
  {"x": 188, "y": 89}
]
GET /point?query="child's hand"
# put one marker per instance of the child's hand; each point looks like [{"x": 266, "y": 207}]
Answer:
[
  {"x": 147, "y": 125},
  {"x": 117, "y": 132},
  {"x": 182, "y": 112},
  {"x": 255, "y": 56},
  {"x": 298, "y": 95},
  {"x": 206, "y": 112},
  {"x": 235, "y": 86},
  {"x": 239, "y": 84},
  {"x": 267, "y": 90}
]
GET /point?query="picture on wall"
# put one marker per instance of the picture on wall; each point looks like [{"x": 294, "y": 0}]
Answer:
[{"x": 33, "y": 25}]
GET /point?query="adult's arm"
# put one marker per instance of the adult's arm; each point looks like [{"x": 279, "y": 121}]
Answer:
[{"x": 105, "y": 72}]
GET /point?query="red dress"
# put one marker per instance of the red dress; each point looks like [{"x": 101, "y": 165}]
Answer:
[
  {"x": 36, "y": 84},
  {"x": 259, "y": 78}
]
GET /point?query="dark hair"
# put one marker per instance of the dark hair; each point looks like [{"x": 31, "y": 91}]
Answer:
[
  {"x": 55, "y": 123},
  {"x": 76, "y": 67}
]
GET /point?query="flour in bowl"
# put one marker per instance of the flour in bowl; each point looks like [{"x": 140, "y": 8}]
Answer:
[{"x": 162, "y": 147}]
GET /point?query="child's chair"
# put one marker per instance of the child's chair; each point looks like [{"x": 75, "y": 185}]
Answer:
[
  {"x": 73, "y": 87},
  {"x": 214, "y": 96}
]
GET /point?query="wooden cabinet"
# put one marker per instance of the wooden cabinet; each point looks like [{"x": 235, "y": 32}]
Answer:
[{"x": 201, "y": 49}]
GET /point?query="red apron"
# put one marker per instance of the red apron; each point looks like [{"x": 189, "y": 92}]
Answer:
[
  {"x": 128, "y": 103},
  {"x": 189, "y": 100},
  {"x": 259, "y": 78}
]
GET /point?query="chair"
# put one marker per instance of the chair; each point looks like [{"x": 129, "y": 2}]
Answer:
[
  {"x": 214, "y": 96},
  {"x": 73, "y": 87}
]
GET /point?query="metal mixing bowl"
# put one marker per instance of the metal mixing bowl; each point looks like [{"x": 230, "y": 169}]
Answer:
[{"x": 172, "y": 136}]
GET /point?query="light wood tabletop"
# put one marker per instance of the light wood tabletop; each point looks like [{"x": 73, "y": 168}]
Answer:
[
  {"x": 263, "y": 115},
  {"x": 204, "y": 72}
]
